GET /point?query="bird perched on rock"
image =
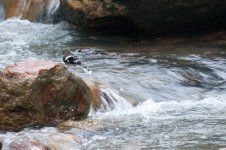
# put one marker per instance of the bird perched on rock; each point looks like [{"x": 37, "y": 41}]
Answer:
[{"x": 70, "y": 59}]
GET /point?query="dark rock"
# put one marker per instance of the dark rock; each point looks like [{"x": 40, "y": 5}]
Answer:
[
  {"x": 0, "y": 144},
  {"x": 40, "y": 92},
  {"x": 149, "y": 16}
]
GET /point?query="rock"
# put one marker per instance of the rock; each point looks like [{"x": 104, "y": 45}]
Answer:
[
  {"x": 39, "y": 93},
  {"x": 26, "y": 144},
  {"x": 61, "y": 141},
  {"x": 22, "y": 8},
  {"x": 96, "y": 93},
  {"x": 94, "y": 15},
  {"x": 53, "y": 141},
  {"x": 148, "y": 16},
  {"x": 0, "y": 144},
  {"x": 87, "y": 124}
]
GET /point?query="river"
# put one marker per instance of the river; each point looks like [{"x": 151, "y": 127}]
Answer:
[{"x": 176, "y": 85}]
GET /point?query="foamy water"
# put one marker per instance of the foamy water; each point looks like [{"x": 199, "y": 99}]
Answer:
[{"x": 163, "y": 99}]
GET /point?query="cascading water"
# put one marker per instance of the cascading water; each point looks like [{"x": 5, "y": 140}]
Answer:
[
  {"x": 178, "y": 86},
  {"x": 33, "y": 10},
  {"x": 2, "y": 12},
  {"x": 111, "y": 101},
  {"x": 52, "y": 7}
]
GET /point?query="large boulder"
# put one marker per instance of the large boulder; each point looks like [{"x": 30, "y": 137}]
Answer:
[
  {"x": 149, "y": 16},
  {"x": 39, "y": 93}
]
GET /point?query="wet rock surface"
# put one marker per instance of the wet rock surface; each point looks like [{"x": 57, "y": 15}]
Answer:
[
  {"x": 0, "y": 144},
  {"x": 149, "y": 16},
  {"x": 44, "y": 141},
  {"x": 39, "y": 93},
  {"x": 61, "y": 141},
  {"x": 86, "y": 125}
]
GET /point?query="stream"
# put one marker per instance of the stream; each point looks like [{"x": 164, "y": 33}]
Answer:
[{"x": 175, "y": 86}]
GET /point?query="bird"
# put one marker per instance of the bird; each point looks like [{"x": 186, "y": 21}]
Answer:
[{"x": 69, "y": 59}]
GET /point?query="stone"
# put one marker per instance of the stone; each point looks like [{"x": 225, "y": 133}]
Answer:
[
  {"x": 86, "y": 124},
  {"x": 148, "y": 16},
  {"x": 47, "y": 141},
  {"x": 26, "y": 144},
  {"x": 39, "y": 93},
  {"x": 0, "y": 144},
  {"x": 65, "y": 141},
  {"x": 96, "y": 93}
]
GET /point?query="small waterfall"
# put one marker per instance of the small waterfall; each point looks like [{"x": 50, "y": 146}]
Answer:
[
  {"x": 47, "y": 12},
  {"x": 112, "y": 101},
  {"x": 53, "y": 6},
  {"x": 33, "y": 10},
  {"x": 105, "y": 99}
]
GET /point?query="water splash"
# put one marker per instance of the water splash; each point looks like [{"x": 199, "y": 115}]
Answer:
[
  {"x": 111, "y": 101},
  {"x": 86, "y": 69}
]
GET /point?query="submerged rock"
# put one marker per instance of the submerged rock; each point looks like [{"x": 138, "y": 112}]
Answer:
[
  {"x": 39, "y": 93},
  {"x": 149, "y": 16},
  {"x": 86, "y": 124},
  {"x": 63, "y": 141},
  {"x": 26, "y": 144},
  {"x": 53, "y": 141}
]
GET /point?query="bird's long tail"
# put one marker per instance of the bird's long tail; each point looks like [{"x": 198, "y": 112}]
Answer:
[{"x": 86, "y": 69}]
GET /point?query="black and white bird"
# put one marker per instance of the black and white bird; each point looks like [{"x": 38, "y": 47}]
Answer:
[
  {"x": 70, "y": 59},
  {"x": 73, "y": 60}
]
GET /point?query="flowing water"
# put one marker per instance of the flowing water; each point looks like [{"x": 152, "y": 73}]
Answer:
[{"x": 170, "y": 92}]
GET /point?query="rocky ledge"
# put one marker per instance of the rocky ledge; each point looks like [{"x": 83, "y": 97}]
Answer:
[
  {"x": 148, "y": 16},
  {"x": 40, "y": 93}
]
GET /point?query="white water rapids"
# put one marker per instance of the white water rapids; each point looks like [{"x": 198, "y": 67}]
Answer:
[{"x": 178, "y": 90}]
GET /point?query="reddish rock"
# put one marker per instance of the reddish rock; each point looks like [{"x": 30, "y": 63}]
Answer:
[
  {"x": 52, "y": 141},
  {"x": 63, "y": 141},
  {"x": 96, "y": 93},
  {"x": 40, "y": 92},
  {"x": 26, "y": 144}
]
